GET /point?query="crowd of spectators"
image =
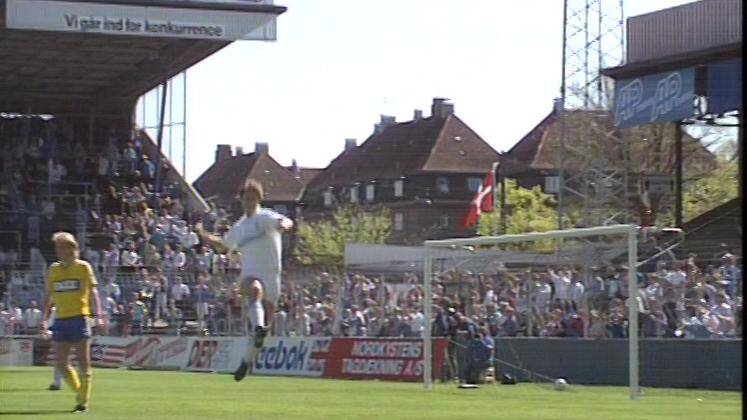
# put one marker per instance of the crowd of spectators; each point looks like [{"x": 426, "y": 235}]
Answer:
[
  {"x": 159, "y": 274},
  {"x": 154, "y": 272},
  {"x": 52, "y": 179}
]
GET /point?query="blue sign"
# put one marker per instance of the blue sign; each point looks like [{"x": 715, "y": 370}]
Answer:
[
  {"x": 655, "y": 98},
  {"x": 725, "y": 86}
]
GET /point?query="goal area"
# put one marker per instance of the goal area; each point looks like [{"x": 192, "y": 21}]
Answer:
[{"x": 533, "y": 277}]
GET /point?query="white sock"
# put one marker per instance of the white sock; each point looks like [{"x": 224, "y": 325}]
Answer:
[
  {"x": 256, "y": 314},
  {"x": 250, "y": 351},
  {"x": 57, "y": 378}
]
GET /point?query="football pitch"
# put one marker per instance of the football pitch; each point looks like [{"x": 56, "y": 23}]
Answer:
[{"x": 125, "y": 394}]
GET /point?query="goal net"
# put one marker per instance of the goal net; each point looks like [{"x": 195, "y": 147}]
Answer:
[{"x": 525, "y": 291}]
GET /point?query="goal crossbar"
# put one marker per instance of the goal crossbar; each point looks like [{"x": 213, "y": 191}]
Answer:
[
  {"x": 535, "y": 236},
  {"x": 631, "y": 231}
]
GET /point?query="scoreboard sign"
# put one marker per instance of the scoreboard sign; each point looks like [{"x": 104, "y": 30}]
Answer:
[{"x": 116, "y": 19}]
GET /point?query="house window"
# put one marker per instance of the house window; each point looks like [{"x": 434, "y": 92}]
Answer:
[
  {"x": 327, "y": 198},
  {"x": 354, "y": 194},
  {"x": 552, "y": 184},
  {"x": 474, "y": 183},
  {"x": 399, "y": 221},
  {"x": 370, "y": 192},
  {"x": 442, "y": 184},
  {"x": 399, "y": 187}
]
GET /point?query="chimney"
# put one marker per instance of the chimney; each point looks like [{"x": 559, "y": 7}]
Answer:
[
  {"x": 260, "y": 148},
  {"x": 417, "y": 115},
  {"x": 386, "y": 121},
  {"x": 350, "y": 143},
  {"x": 239, "y": 151},
  {"x": 557, "y": 104},
  {"x": 222, "y": 152},
  {"x": 440, "y": 108},
  {"x": 295, "y": 170}
]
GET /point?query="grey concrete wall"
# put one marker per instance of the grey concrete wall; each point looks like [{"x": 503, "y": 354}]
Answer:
[{"x": 706, "y": 364}]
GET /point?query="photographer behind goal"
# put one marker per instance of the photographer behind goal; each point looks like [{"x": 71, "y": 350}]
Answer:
[{"x": 479, "y": 356}]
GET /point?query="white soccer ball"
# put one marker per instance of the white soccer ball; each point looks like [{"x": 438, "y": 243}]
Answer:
[{"x": 561, "y": 384}]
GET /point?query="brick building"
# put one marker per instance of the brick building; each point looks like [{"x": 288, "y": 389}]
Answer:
[{"x": 426, "y": 171}]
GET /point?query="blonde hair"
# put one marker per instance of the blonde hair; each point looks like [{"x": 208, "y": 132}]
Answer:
[
  {"x": 65, "y": 238},
  {"x": 254, "y": 186}
]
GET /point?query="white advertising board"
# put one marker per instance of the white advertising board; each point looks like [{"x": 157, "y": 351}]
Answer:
[{"x": 117, "y": 19}]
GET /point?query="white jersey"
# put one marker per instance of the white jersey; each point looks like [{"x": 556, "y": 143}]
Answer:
[{"x": 258, "y": 238}]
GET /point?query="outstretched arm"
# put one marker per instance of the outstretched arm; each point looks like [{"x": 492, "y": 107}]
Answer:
[
  {"x": 212, "y": 240},
  {"x": 285, "y": 224}
]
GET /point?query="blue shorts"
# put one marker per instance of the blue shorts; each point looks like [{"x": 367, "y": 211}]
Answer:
[{"x": 71, "y": 330}]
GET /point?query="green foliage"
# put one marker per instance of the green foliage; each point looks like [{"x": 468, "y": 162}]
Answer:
[
  {"x": 323, "y": 242},
  {"x": 714, "y": 189},
  {"x": 527, "y": 210}
]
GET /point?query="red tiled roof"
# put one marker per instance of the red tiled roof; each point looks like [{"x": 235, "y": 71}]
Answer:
[
  {"x": 222, "y": 181},
  {"x": 539, "y": 148},
  {"x": 425, "y": 145},
  {"x": 305, "y": 175}
]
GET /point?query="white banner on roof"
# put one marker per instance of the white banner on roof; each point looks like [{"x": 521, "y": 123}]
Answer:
[{"x": 116, "y": 19}]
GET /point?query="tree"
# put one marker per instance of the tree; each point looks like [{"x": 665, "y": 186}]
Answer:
[
  {"x": 323, "y": 242},
  {"x": 718, "y": 187},
  {"x": 527, "y": 210}
]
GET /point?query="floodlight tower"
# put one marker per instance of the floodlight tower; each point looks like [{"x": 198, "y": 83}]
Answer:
[{"x": 593, "y": 167}]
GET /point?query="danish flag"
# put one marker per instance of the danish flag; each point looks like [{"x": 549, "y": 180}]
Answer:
[{"x": 482, "y": 202}]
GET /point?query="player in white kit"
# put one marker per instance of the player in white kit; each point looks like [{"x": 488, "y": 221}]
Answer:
[{"x": 257, "y": 235}]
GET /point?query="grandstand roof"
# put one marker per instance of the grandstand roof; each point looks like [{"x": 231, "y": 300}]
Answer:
[{"x": 60, "y": 72}]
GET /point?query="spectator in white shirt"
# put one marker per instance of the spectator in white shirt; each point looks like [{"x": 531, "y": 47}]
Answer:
[
  {"x": 576, "y": 292},
  {"x": 676, "y": 279},
  {"x": 93, "y": 257},
  {"x": 489, "y": 296},
  {"x": 32, "y": 318},
  {"x": 562, "y": 283},
  {"x": 6, "y": 321},
  {"x": 722, "y": 317},
  {"x": 19, "y": 320},
  {"x": 190, "y": 239},
  {"x": 542, "y": 293},
  {"x": 180, "y": 261},
  {"x": 56, "y": 171},
  {"x": 731, "y": 274},
  {"x": 130, "y": 257},
  {"x": 179, "y": 291},
  {"x": 111, "y": 289}
]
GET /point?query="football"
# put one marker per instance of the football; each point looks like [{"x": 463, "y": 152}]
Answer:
[{"x": 561, "y": 384}]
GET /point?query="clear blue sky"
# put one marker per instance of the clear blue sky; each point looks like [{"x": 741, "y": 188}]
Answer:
[{"x": 338, "y": 64}]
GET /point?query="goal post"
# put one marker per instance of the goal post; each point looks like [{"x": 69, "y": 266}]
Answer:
[{"x": 432, "y": 248}]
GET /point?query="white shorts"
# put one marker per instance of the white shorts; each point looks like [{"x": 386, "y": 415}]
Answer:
[{"x": 270, "y": 286}]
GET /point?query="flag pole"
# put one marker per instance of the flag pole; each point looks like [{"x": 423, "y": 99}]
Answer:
[{"x": 494, "y": 173}]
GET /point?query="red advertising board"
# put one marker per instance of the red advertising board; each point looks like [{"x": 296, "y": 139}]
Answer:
[{"x": 381, "y": 358}]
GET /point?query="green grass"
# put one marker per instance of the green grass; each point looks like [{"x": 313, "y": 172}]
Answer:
[{"x": 124, "y": 394}]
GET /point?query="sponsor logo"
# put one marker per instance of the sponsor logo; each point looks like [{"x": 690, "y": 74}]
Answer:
[
  {"x": 400, "y": 349},
  {"x": 283, "y": 357},
  {"x": 66, "y": 285},
  {"x": 210, "y": 354}
]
